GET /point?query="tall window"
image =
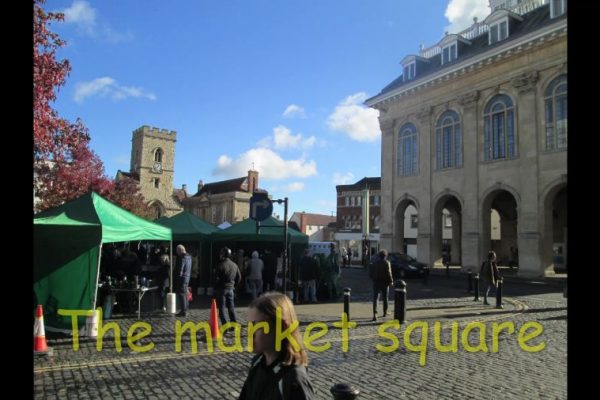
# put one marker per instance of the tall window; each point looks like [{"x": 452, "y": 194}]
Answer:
[
  {"x": 156, "y": 182},
  {"x": 448, "y": 141},
  {"x": 558, "y": 8},
  {"x": 499, "y": 129},
  {"x": 408, "y": 150},
  {"x": 449, "y": 53},
  {"x": 555, "y": 101},
  {"x": 158, "y": 155},
  {"x": 409, "y": 71}
]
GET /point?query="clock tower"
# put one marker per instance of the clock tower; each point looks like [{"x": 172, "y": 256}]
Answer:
[{"x": 152, "y": 164}]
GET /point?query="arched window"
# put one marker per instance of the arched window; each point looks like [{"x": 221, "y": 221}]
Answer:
[
  {"x": 158, "y": 153},
  {"x": 555, "y": 100},
  {"x": 499, "y": 129},
  {"x": 408, "y": 150},
  {"x": 448, "y": 141}
]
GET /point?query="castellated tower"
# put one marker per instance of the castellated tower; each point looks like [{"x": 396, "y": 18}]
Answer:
[{"x": 153, "y": 165}]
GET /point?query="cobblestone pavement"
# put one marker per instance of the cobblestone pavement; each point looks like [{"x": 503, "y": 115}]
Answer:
[{"x": 509, "y": 373}]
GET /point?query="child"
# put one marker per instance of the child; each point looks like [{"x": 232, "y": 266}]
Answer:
[{"x": 276, "y": 374}]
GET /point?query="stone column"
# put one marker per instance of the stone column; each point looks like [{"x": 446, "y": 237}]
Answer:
[
  {"x": 456, "y": 239},
  {"x": 425, "y": 251},
  {"x": 470, "y": 214},
  {"x": 529, "y": 235},
  {"x": 387, "y": 223}
]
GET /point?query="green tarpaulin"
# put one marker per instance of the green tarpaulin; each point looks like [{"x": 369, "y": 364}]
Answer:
[
  {"x": 66, "y": 246},
  {"x": 188, "y": 228}
]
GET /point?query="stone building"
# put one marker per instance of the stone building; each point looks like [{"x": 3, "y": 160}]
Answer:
[
  {"x": 313, "y": 225},
  {"x": 355, "y": 202},
  {"x": 475, "y": 123},
  {"x": 222, "y": 201},
  {"x": 153, "y": 166}
]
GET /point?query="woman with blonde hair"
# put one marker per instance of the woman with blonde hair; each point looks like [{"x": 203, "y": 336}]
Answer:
[{"x": 276, "y": 374}]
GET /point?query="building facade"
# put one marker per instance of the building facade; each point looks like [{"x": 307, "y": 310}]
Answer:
[
  {"x": 223, "y": 201},
  {"x": 153, "y": 166},
  {"x": 357, "y": 203},
  {"x": 478, "y": 124},
  {"x": 313, "y": 225}
]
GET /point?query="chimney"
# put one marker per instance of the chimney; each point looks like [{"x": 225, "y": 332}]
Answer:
[
  {"x": 184, "y": 187},
  {"x": 200, "y": 185},
  {"x": 303, "y": 222},
  {"x": 252, "y": 181}
]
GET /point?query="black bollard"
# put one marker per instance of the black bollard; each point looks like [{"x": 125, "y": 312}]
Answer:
[
  {"x": 447, "y": 268},
  {"x": 469, "y": 281},
  {"x": 425, "y": 275},
  {"x": 400, "y": 301},
  {"x": 344, "y": 391},
  {"x": 499, "y": 294},
  {"x": 347, "y": 302},
  {"x": 476, "y": 288}
]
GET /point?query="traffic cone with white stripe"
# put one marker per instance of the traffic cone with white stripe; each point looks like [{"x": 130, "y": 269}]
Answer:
[
  {"x": 39, "y": 334},
  {"x": 213, "y": 320}
]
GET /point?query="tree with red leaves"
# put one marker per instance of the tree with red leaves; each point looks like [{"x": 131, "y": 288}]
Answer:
[{"x": 64, "y": 165}]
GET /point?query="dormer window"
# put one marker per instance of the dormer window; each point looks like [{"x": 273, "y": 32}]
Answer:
[
  {"x": 409, "y": 71},
  {"x": 498, "y": 31},
  {"x": 557, "y": 8},
  {"x": 449, "y": 54}
]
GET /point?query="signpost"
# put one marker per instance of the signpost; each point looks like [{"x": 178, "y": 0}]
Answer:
[{"x": 261, "y": 208}]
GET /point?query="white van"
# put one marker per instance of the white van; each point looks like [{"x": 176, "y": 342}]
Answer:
[{"x": 320, "y": 247}]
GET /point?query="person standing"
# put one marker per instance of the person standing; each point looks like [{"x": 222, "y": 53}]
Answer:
[
  {"x": 183, "y": 272},
  {"x": 381, "y": 274},
  {"x": 308, "y": 274},
  {"x": 276, "y": 374},
  {"x": 228, "y": 276},
  {"x": 488, "y": 275},
  {"x": 270, "y": 263},
  {"x": 254, "y": 271},
  {"x": 331, "y": 272}
]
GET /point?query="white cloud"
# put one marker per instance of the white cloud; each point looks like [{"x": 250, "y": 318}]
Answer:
[
  {"x": 342, "y": 179},
  {"x": 356, "y": 121},
  {"x": 294, "y": 111},
  {"x": 283, "y": 139},
  {"x": 460, "y": 13},
  {"x": 84, "y": 17},
  {"x": 107, "y": 86},
  {"x": 269, "y": 164},
  {"x": 295, "y": 187}
]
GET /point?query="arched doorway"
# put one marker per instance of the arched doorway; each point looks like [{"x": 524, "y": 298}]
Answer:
[
  {"x": 447, "y": 229},
  {"x": 499, "y": 226},
  {"x": 158, "y": 209},
  {"x": 555, "y": 223},
  {"x": 406, "y": 220}
]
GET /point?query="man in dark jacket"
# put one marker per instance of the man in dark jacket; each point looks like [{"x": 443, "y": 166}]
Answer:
[
  {"x": 228, "y": 276},
  {"x": 308, "y": 274},
  {"x": 181, "y": 278},
  {"x": 381, "y": 274}
]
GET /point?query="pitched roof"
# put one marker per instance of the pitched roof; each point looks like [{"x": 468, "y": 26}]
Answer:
[
  {"x": 371, "y": 183},
  {"x": 180, "y": 194},
  {"x": 318, "y": 219},
  {"x": 231, "y": 185},
  {"x": 533, "y": 20},
  {"x": 132, "y": 175}
]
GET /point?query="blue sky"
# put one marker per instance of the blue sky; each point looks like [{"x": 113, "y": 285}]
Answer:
[{"x": 276, "y": 83}]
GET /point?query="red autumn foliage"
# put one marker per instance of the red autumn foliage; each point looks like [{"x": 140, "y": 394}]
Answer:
[{"x": 64, "y": 165}]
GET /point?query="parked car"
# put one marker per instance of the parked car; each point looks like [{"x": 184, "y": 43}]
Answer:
[{"x": 405, "y": 266}]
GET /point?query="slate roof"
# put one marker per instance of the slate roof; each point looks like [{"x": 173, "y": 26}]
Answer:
[
  {"x": 231, "y": 185},
  {"x": 533, "y": 20}
]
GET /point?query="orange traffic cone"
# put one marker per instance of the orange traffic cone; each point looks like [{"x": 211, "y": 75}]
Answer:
[
  {"x": 213, "y": 320},
  {"x": 39, "y": 334}
]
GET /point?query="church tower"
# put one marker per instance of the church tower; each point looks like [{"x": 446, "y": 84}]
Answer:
[{"x": 153, "y": 165}]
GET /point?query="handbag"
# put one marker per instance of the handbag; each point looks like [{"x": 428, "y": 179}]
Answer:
[{"x": 189, "y": 294}]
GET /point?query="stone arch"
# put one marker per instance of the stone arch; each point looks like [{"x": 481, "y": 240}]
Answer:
[
  {"x": 553, "y": 201},
  {"x": 447, "y": 239},
  {"x": 506, "y": 201},
  {"x": 158, "y": 209},
  {"x": 400, "y": 241}
]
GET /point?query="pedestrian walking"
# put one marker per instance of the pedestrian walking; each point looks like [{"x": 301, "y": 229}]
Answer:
[
  {"x": 228, "y": 276},
  {"x": 254, "y": 278},
  {"x": 381, "y": 275},
  {"x": 488, "y": 275},
  {"x": 308, "y": 274},
  {"x": 183, "y": 273}
]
